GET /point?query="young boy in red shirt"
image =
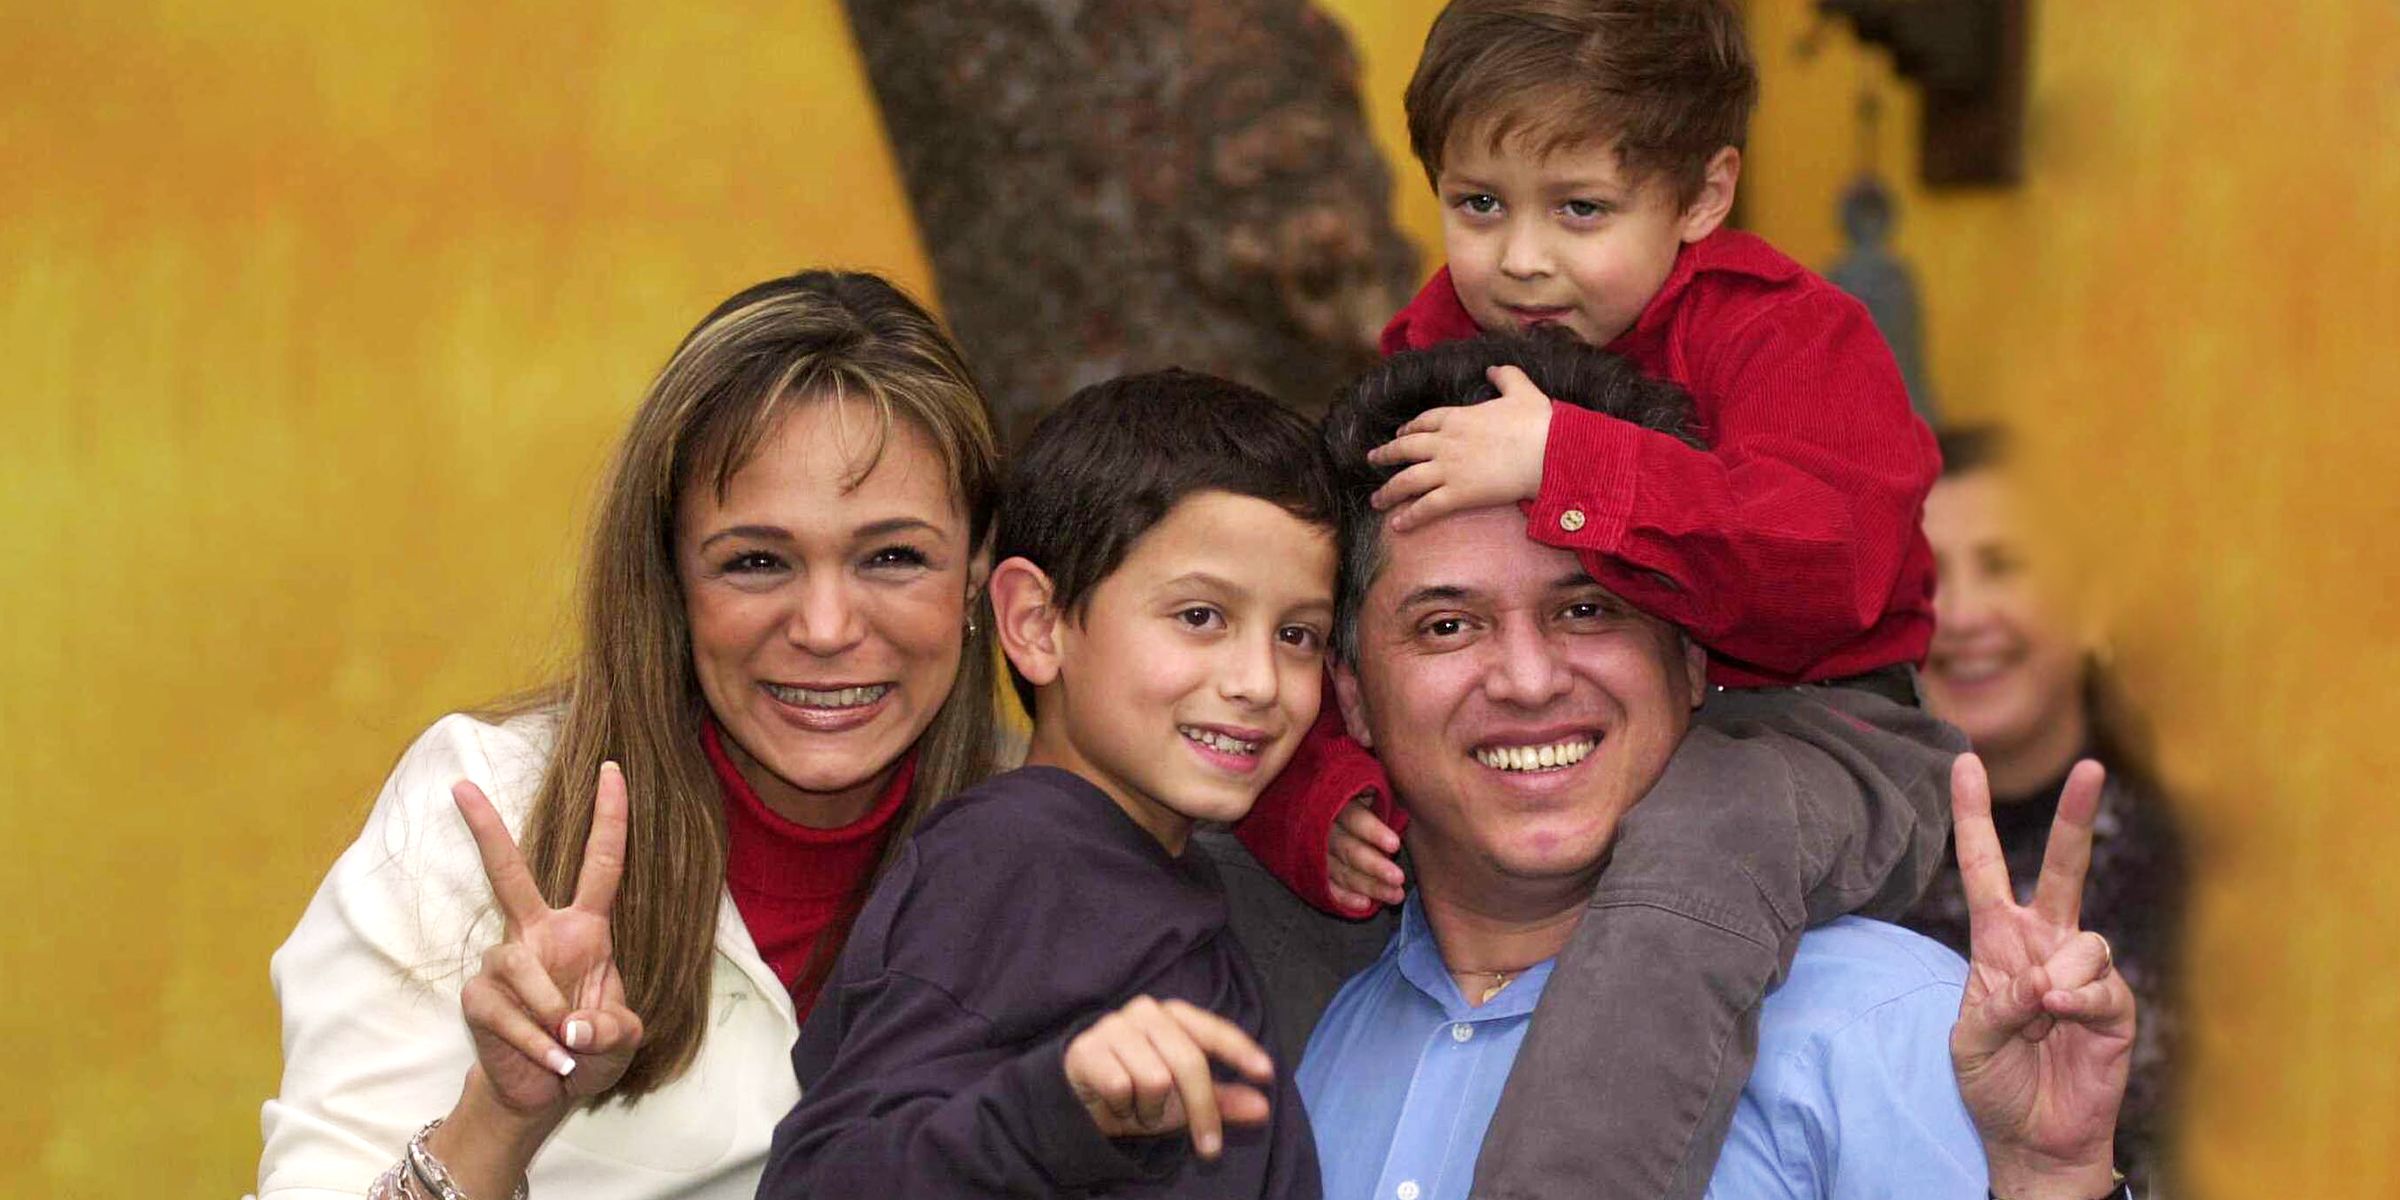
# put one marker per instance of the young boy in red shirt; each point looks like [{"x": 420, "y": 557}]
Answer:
[{"x": 1586, "y": 153}]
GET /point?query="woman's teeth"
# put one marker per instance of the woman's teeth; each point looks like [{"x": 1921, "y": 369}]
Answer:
[
  {"x": 1964, "y": 669},
  {"x": 1536, "y": 758},
  {"x": 1217, "y": 741},
  {"x": 849, "y": 697}
]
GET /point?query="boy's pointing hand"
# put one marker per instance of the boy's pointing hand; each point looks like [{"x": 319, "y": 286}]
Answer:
[{"x": 1144, "y": 1070}]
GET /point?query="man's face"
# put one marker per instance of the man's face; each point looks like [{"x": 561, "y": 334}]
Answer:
[{"x": 1519, "y": 707}]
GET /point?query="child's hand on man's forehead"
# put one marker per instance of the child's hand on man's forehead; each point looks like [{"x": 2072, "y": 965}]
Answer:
[{"x": 1467, "y": 456}]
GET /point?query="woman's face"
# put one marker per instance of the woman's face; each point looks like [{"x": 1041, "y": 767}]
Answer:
[
  {"x": 827, "y": 608},
  {"x": 2007, "y": 662}
]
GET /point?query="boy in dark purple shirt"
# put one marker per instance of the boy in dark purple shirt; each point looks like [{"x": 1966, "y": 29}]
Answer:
[{"x": 1032, "y": 997}]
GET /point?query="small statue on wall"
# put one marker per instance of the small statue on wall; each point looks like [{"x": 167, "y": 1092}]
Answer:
[
  {"x": 1870, "y": 270},
  {"x": 1881, "y": 279}
]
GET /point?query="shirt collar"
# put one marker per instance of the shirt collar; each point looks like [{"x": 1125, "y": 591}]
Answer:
[{"x": 1419, "y": 959}]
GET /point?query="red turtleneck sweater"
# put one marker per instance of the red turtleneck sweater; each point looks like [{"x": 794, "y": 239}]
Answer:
[{"x": 795, "y": 883}]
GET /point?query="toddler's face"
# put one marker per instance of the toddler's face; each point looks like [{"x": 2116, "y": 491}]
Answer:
[
  {"x": 1198, "y": 662},
  {"x": 1559, "y": 239}
]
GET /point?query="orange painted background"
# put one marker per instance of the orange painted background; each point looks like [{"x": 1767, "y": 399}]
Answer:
[{"x": 318, "y": 320}]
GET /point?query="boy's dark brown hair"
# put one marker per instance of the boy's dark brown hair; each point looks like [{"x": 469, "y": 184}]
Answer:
[
  {"x": 1105, "y": 467},
  {"x": 1670, "y": 82}
]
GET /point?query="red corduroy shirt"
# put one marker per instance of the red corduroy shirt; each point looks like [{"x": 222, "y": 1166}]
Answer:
[
  {"x": 795, "y": 884},
  {"x": 1791, "y": 547}
]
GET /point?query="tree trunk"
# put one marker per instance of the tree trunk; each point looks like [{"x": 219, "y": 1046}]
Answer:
[{"x": 1108, "y": 186}]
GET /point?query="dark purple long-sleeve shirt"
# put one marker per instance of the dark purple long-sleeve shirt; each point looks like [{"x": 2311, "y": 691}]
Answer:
[{"x": 1022, "y": 911}]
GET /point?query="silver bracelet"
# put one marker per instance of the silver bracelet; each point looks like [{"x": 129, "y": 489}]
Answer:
[
  {"x": 396, "y": 1183},
  {"x": 432, "y": 1176}
]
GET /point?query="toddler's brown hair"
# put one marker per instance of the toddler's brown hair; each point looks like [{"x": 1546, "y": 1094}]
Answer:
[{"x": 1668, "y": 82}]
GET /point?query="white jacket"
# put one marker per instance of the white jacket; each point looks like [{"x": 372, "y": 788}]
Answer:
[{"x": 374, "y": 1045}]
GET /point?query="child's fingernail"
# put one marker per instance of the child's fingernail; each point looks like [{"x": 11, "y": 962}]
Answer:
[
  {"x": 578, "y": 1034},
  {"x": 1210, "y": 1143},
  {"x": 561, "y": 1063}
]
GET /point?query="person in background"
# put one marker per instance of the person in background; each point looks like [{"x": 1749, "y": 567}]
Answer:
[
  {"x": 779, "y": 670},
  {"x": 2014, "y": 669}
]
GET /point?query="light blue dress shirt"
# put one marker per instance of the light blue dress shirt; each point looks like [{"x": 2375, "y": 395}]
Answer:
[{"x": 1852, "y": 1096}]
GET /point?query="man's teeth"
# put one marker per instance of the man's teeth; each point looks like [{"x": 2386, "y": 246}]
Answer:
[
  {"x": 1536, "y": 758},
  {"x": 1217, "y": 741},
  {"x": 849, "y": 697}
]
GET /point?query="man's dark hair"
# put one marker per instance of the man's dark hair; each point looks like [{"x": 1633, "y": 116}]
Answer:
[
  {"x": 1103, "y": 468},
  {"x": 1375, "y": 405}
]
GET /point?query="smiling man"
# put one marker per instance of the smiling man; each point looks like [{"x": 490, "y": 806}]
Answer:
[{"x": 1521, "y": 710}]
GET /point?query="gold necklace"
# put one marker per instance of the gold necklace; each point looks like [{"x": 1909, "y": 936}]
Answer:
[{"x": 1500, "y": 979}]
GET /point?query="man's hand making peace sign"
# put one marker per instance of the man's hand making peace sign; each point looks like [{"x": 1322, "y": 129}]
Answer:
[{"x": 2045, "y": 1030}]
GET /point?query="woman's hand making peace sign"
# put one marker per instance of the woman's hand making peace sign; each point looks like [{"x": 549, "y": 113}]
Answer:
[
  {"x": 548, "y": 1009},
  {"x": 2045, "y": 1030}
]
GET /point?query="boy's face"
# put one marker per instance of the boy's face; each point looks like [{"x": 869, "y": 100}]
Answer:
[
  {"x": 1196, "y": 665},
  {"x": 1564, "y": 238}
]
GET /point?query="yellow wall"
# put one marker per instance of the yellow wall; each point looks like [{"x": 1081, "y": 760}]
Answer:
[
  {"x": 1387, "y": 34},
  {"x": 2190, "y": 310},
  {"x": 318, "y": 320}
]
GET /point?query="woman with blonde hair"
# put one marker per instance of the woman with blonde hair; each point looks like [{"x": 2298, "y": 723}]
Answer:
[{"x": 780, "y": 669}]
